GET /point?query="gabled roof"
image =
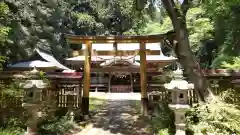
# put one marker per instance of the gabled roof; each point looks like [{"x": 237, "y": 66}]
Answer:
[
  {"x": 51, "y": 59},
  {"x": 32, "y": 64},
  {"x": 46, "y": 60}
]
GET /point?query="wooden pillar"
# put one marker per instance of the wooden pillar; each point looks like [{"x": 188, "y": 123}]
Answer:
[
  {"x": 109, "y": 82},
  {"x": 86, "y": 87},
  {"x": 143, "y": 76},
  {"x": 131, "y": 79}
]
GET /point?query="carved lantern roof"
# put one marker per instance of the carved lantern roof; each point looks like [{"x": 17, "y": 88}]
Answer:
[
  {"x": 34, "y": 83},
  {"x": 178, "y": 83}
]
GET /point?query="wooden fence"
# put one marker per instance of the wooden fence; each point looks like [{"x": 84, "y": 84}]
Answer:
[{"x": 159, "y": 94}]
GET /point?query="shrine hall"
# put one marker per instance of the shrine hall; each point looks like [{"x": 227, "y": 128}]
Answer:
[
  {"x": 118, "y": 61},
  {"x": 115, "y": 67}
]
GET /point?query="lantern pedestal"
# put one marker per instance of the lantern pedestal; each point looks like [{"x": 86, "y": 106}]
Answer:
[
  {"x": 33, "y": 115},
  {"x": 179, "y": 111}
]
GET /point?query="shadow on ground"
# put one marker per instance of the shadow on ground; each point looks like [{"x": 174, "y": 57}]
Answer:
[{"x": 121, "y": 118}]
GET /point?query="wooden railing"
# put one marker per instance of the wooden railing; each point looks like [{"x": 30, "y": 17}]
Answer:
[{"x": 159, "y": 94}]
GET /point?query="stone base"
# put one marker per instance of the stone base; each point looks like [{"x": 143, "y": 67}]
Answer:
[
  {"x": 31, "y": 131},
  {"x": 144, "y": 106},
  {"x": 180, "y": 132}
]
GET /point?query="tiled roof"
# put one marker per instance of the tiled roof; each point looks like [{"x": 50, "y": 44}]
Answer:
[
  {"x": 48, "y": 61},
  {"x": 51, "y": 59},
  {"x": 35, "y": 63}
]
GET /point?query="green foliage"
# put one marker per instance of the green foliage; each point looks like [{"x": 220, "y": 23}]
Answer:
[
  {"x": 163, "y": 123},
  {"x": 2, "y": 61},
  {"x": 12, "y": 90},
  {"x": 4, "y": 29},
  {"x": 11, "y": 132},
  {"x": 225, "y": 16},
  {"x": 35, "y": 23},
  {"x": 12, "y": 126},
  {"x": 230, "y": 96},
  {"x": 216, "y": 117},
  {"x": 233, "y": 64},
  {"x": 55, "y": 126},
  {"x": 200, "y": 27},
  {"x": 28, "y": 24}
]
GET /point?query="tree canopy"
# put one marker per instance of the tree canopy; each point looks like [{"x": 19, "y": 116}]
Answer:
[
  {"x": 213, "y": 26},
  {"x": 41, "y": 23}
]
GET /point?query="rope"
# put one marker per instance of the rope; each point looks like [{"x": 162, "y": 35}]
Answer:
[{"x": 136, "y": 53}]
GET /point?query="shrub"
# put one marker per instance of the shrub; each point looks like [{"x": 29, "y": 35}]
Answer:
[
  {"x": 12, "y": 126},
  {"x": 216, "y": 117},
  {"x": 163, "y": 122},
  {"x": 11, "y": 132},
  {"x": 55, "y": 126}
]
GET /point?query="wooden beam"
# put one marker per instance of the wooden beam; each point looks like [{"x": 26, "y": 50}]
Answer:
[
  {"x": 86, "y": 87},
  {"x": 117, "y": 53},
  {"x": 76, "y": 39},
  {"x": 121, "y": 69},
  {"x": 143, "y": 76}
]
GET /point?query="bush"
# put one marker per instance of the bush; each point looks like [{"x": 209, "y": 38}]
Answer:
[
  {"x": 163, "y": 122},
  {"x": 216, "y": 117},
  {"x": 11, "y": 132},
  {"x": 55, "y": 126},
  {"x": 12, "y": 126}
]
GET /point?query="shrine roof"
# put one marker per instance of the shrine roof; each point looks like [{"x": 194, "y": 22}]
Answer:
[
  {"x": 47, "y": 61},
  {"x": 50, "y": 58},
  {"x": 32, "y": 64}
]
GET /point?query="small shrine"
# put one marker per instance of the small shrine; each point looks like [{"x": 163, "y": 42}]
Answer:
[{"x": 179, "y": 99}]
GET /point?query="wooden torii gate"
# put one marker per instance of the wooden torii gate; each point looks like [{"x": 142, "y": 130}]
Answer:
[{"x": 142, "y": 40}]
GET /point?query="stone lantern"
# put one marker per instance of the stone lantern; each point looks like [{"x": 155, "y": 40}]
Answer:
[
  {"x": 32, "y": 100},
  {"x": 179, "y": 99}
]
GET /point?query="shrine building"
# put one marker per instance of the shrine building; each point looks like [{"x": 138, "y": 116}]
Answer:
[{"x": 115, "y": 67}]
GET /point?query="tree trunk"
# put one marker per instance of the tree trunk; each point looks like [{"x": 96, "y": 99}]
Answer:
[
  {"x": 190, "y": 64},
  {"x": 183, "y": 51}
]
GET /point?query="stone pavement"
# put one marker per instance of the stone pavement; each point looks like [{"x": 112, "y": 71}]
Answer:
[{"x": 120, "y": 116}]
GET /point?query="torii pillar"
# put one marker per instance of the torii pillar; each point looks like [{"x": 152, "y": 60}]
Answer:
[
  {"x": 143, "y": 76},
  {"x": 86, "y": 87}
]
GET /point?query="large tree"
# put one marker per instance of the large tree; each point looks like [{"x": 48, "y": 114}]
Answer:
[
  {"x": 177, "y": 12},
  {"x": 179, "y": 42}
]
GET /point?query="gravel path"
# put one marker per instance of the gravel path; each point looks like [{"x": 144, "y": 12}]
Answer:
[{"x": 120, "y": 116}]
